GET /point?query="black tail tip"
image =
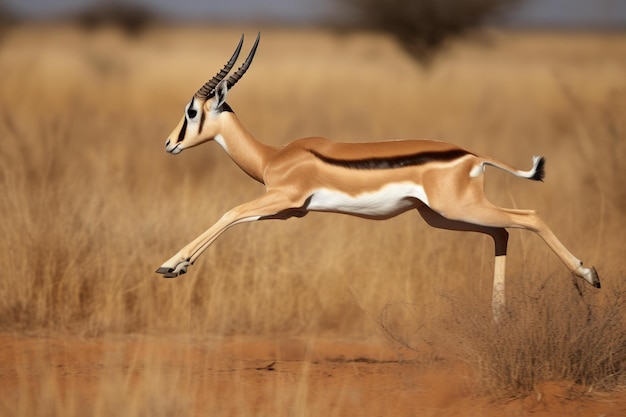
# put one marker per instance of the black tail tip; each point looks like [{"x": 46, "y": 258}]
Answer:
[{"x": 540, "y": 172}]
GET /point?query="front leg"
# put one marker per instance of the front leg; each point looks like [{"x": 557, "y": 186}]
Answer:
[{"x": 269, "y": 206}]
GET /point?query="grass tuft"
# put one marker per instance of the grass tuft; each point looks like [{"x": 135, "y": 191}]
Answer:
[{"x": 555, "y": 333}]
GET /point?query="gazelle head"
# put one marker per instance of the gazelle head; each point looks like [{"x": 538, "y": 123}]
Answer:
[{"x": 200, "y": 122}]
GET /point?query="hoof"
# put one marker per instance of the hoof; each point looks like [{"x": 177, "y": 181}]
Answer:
[
  {"x": 180, "y": 269},
  {"x": 588, "y": 274},
  {"x": 595, "y": 277},
  {"x": 166, "y": 272}
]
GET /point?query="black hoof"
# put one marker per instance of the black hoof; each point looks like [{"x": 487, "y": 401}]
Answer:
[
  {"x": 596, "y": 278},
  {"x": 166, "y": 272}
]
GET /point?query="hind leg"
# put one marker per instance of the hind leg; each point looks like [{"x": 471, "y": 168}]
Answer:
[
  {"x": 500, "y": 237},
  {"x": 484, "y": 213}
]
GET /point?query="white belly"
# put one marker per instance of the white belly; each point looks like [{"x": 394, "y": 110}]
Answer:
[{"x": 389, "y": 200}]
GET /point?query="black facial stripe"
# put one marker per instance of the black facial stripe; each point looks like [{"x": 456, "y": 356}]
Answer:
[
  {"x": 190, "y": 107},
  {"x": 181, "y": 134},
  {"x": 395, "y": 161}
]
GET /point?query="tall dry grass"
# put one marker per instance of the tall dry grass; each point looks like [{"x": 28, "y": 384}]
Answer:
[{"x": 91, "y": 204}]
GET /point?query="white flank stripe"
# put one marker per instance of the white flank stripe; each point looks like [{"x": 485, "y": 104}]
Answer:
[{"x": 389, "y": 200}]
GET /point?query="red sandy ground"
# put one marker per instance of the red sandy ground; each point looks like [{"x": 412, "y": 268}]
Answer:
[{"x": 253, "y": 376}]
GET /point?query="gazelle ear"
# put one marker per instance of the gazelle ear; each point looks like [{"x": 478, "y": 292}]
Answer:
[{"x": 220, "y": 95}]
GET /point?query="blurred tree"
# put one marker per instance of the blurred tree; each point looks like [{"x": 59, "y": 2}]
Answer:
[
  {"x": 423, "y": 27},
  {"x": 130, "y": 17},
  {"x": 7, "y": 19}
]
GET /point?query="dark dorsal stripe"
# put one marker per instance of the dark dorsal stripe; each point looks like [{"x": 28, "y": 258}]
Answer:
[{"x": 395, "y": 161}]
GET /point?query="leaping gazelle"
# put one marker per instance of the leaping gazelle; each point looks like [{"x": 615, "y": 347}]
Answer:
[{"x": 376, "y": 180}]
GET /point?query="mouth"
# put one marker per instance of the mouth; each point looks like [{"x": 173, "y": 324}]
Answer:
[{"x": 174, "y": 150}]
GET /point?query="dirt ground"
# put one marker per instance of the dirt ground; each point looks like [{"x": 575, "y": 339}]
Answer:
[{"x": 253, "y": 376}]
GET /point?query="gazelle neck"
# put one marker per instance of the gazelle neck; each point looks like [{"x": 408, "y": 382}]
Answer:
[{"x": 243, "y": 148}]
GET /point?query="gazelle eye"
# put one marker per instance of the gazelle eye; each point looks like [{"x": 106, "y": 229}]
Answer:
[{"x": 192, "y": 113}]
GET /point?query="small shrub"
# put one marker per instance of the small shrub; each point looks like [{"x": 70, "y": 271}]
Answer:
[
  {"x": 556, "y": 334},
  {"x": 422, "y": 27}
]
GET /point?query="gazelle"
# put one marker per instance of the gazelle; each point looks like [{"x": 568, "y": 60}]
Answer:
[{"x": 375, "y": 180}]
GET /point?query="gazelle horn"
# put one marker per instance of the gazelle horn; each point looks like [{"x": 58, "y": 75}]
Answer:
[
  {"x": 232, "y": 80},
  {"x": 208, "y": 89}
]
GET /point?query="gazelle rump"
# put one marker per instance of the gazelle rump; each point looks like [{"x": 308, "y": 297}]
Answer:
[{"x": 375, "y": 180}]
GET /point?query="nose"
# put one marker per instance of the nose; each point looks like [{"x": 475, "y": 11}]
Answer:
[{"x": 167, "y": 143}]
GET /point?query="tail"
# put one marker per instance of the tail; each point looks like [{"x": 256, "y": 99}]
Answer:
[
  {"x": 536, "y": 173},
  {"x": 538, "y": 170}
]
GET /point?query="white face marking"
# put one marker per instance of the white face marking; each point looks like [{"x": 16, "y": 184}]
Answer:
[
  {"x": 192, "y": 114},
  {"x": 177, "y": 149},
  {"x": 389, "y": 200}
]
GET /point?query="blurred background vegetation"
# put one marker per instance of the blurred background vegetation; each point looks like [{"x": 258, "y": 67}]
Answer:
[
  {"x": 91, "y": 204},
  {"x": 421, "y": 27}
]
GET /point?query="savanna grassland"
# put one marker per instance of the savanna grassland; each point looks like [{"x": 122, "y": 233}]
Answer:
[{"x": 91, "y": 205}]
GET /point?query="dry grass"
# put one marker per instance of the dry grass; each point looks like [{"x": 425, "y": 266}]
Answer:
[
  {"x": 91, "y": 204},
  {"x": 114, "y": 397},
  {"x": 549, "y": 334}
]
